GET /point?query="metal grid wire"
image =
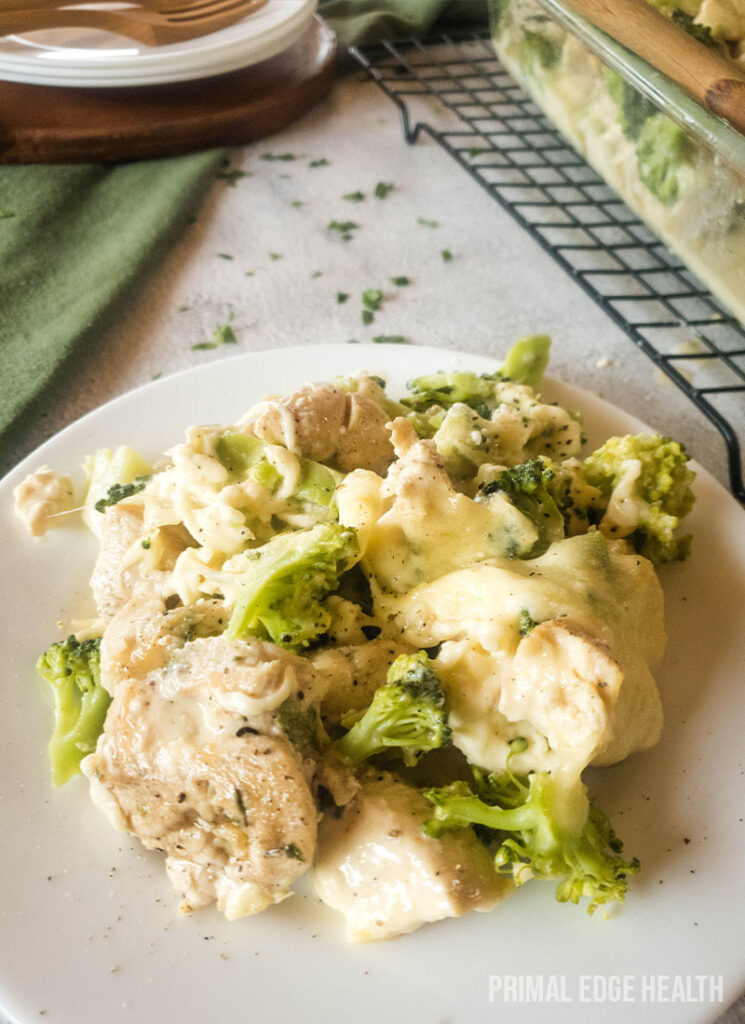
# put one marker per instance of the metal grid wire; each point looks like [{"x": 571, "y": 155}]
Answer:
[{"x": 508, "y": 146}]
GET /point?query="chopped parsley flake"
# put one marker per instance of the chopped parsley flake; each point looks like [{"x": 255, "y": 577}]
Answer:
[
  {"x": 146, "y": 543},
  {"x": 224, "y": 256},
  {"x": 315, "y": 274},
  {"x": 427, "y": 223},
  {"x": 224, "y": 335},
  {"x": 323, "y": 162},
  {"x": 184, "y": 309},
  {"x": 343, "y": 227},
  {"x": 297, "y": 203},
  {"x": 232, "y": 176},
  {"x": 390, "y": 339},
  {"x": 275, "y": 255},
  {"x": 367, "y": 316},
  {"x": 383, "y": 189},
  {"x": 400, "y": 282},
  {"x": 118, "y": 492},
  {"x": 354, "y": 197},
  {"x": 285, "y": 157},
  {"x": 527, "y": 622},
  {"x": 371, "y": 298},
  {"x": 446, "y": 255},
  {"x": 341, "y": 297}
]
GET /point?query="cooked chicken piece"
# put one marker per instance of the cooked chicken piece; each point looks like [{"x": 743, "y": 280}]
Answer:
[
  {"x": 566, "y": 684},
  {"x": 353, "y": 674},
  {"x": 324, "y": 423},
  {"x": 122, "y": 561},
  {"x": 414, "y": 526},
  {"x": 117, "y": 568},
  {"x": 375, "y": 866},
  {"x": 41, "y": 497},
  {"x": 186, "y": 764},
  {"x": 337, "y": 778},
  {"x": 144, "y": 633}
]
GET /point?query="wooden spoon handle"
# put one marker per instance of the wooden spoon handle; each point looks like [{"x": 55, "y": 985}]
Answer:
[{"x": 708, "y": 76}]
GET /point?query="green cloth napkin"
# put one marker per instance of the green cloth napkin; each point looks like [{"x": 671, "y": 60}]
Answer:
[{"x": 76, "y": 240}]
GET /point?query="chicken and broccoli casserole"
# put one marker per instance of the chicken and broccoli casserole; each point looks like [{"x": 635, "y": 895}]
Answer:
[
  {"x": 374, "y": 640},
  {"x": 658, "y": 167}
]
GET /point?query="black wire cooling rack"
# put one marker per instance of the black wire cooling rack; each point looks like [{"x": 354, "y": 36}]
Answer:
[{"x": 506, "y": 144}]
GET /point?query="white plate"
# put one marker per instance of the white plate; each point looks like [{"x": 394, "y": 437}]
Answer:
[
  {"x": 94, "y": 58},
  {"x": 88, "y": 924}
]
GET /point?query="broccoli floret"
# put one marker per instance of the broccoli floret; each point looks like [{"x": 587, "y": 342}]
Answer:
[
  {"x": 446, "y": 389},
  {"x": 524, "y": 364},
  {"x": 73, "y": 669},
  {"x": 648, "y": 474},
  {"x": 581, "y": 504},
  {"x": 702, "y": 33},
  {"x": 110, "y": 475},
  {"x": 529, "y": 819},
  {"x": 526, "y": 361},
  {"x": 527, "y": 622},
  {"x": 118, "y": 492},
  {"x": 633, "y": 107},
  {"x": 660, "y": 153},
  {"x": 281, "y": 596},
  {"x": 537, "y": 47},
  {"x": 246, "y": 458},
  {"x": 407, "y": 712},
  {"x": 526, "y": 486},
  {"x": 497, "y": 11}
]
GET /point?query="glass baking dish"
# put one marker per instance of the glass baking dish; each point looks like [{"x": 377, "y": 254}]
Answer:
[{"x": 681, "y": 169}]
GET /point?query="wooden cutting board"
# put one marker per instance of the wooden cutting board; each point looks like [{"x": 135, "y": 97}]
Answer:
[{"x": 41, "y": 124}]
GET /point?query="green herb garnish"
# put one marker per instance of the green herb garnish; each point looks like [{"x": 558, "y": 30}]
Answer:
[
  {"x": 527, "y": 622},
  {"x": 342, "y": 226},
  {"x": 428, "y": 223},
  {"x": 400, "y": 282},
  {"x": 390, "y": 339},
  {"x": 354, "y": 197},
  {"x": 341, "y": 297},
  {"x": 383, "y": 189},
  {"x": 224, "y": 335},
  {"x": 118, "y": 492},
  {"x": 233, "y": 176},
  {"x": 371, "y": 298}
]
